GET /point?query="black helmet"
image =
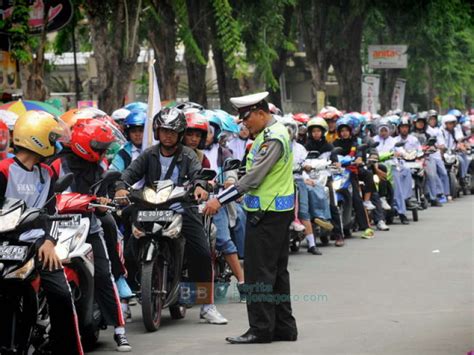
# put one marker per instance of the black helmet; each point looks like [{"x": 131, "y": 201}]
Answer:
[
  {"x": 170, "y": 118},
  {"x": 189, "y": 107}
]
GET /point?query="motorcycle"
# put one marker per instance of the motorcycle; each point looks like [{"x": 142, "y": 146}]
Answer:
[
  {"x": 451, "y": 162},
  {"x": 157, "y": 226},
  {"x": 77, "y": 257},
  {"x": 24, "y": 323}
]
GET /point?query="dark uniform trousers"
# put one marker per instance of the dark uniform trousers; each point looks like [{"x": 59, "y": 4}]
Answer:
[{"x": 267, "y": 278}]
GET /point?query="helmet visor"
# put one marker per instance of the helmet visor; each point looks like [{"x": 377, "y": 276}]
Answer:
[{"x": 61, "y": 133}]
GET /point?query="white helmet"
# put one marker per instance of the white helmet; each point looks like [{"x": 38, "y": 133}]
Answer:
[
  {"x": 290, "y": 124},
  {"x": 120, "y": 114},
  {"x": 448, "y": 118}
]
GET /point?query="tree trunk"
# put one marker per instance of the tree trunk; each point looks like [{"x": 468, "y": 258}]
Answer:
[
  {"x": 279, "y": 65},
  {"x": 312, "y": 18},
  {"x": 165, "y": 50},
  {"x": 114, "y": 29},
  {"x": 35, "y": 88},
  {"x": 347, "y": 63},
  {"x": 198, "y": 14},
  {"x": 387, "y": 84}
]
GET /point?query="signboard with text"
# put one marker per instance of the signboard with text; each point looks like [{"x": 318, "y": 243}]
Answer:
[
  {"x": 370, "y": 93},
  {"x": 388, "y": 56}
]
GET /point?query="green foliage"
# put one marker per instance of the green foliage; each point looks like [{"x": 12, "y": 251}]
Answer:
[
  {"x": 229, "y": 37},
  {"x": 184, "y": 32},
  {"x": 263, "y": 35},
  {"x": 17, "y": 30}
]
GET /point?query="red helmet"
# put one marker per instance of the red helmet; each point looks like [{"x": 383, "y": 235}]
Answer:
[
  {"x": 330, "y": 113},
  {"x": 90, "y": 139},
  {"x": 197, "y": 121},
  {"x": 301, "y": 117},
  {"x": 4, "y": 138}
]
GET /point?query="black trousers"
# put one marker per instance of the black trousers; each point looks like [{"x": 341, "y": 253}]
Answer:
[
  {"x": 267, "y": 279},
  {"x": 111, "y": 239},
  {"x": 358, "y": 204},
  {"x": 64, "y": 333},
  {"x": 105, "y": 291}
]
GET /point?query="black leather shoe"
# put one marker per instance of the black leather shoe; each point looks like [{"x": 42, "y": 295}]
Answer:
[
  {"x": 277, "y": 337},
  {"x": 315, "y": 251},
  {"x": 248, "y": 338},
  {"x": 436, "y": 203},
  {"x": 404, "y": 219}
]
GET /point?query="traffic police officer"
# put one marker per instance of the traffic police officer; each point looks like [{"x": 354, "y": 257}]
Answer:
[{"x": 268, "y": 190}]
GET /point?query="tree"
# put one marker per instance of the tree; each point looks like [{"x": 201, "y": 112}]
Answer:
[
  {"x": 345, "y": 50},
  {"x": 28, "y": 49},
  {"x": 313, "y": 23},
  {"x": 114, "y": 30},
  {"x": 161, "y": 31}
]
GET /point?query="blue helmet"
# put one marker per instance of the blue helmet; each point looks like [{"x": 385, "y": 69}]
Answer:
[
  {"x": 227, "y": 122},
  {"x": 135, "y": 119},
  {"x": 214, "y": 122},
  {"x": 345, "y": 121},
  {"x": 137, "y": 106}
]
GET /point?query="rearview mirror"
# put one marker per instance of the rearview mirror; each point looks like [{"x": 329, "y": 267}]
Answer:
[
  {"x": 399, "y": 144},
  {"x": 231, "y": 164},
  {"x": 313, "y": 154},
  {"x": 63, "y": 183},
  {"x": 374, "y": 144},
  {"x": 337, "y": 150},
  {"x": 362, "y": 146},
  {"x": 206, "y": 174},
  {"x": 431, "y": 141}
]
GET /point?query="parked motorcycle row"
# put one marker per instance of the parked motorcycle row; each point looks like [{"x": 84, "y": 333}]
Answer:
[{"x": 156, "y": 213}]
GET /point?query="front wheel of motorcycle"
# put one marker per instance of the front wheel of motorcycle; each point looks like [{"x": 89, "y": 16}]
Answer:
[
  {"x": 89, "y": 338},
  {"x": 152, "y": 299}
]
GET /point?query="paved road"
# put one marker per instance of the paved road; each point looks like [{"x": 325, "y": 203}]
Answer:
[{"x": 407, "y": 291}]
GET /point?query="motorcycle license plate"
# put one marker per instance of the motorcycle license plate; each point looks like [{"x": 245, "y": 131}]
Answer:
[
  {"x": 413, "y": 165},
  {"x": 73, "y": 222},
  {"x": 13, "y": 252},
  {"x": 155, "y": 216}
]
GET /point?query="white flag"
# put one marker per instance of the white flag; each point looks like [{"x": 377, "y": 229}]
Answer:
[
  {"x": 154, "y": 106},
  {"x": 398, "y": 96}
]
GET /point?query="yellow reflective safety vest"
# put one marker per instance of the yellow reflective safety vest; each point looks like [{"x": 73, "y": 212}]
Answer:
[{"x": 277, "y": 191}]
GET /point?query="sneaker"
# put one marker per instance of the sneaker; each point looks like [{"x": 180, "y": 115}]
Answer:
[
  {"x": 211, "y": 315},
  {"x": 324, "y": 224},
  {"x": 368, "y": 233},
  {"x": 385, "y": 204},
  {"x": 369, "y": 206},
  {"x": 436, "y": 203},
  {"x": 314, "y": 250},
  {"x": 339, "y": 241},
  {"x": 297, "y": 227},
  {"x": 442, "y": 199},
  {"x": 122, "y": 343},
  {"x": 381, "y": 226}
]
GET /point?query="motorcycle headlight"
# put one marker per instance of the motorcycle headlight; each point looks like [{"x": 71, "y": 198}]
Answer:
[
  {"x": 337, "y": 184},
  {"x": 10, "y": 220},
  {"x": 157, "y": 197},
  {"x": 174, "y": 229},
  {"x": 62, "y": 251},
  {"x": 23, "y": 272}
]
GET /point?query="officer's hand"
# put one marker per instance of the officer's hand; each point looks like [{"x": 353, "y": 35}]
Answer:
[
  {"x": 200, "y": 194},
  {"x": 47, "y": 255},
  {"x": 121, "y": 195},
  {"x": 212, "y": 207},
  {"x": 103, "y": 201}
]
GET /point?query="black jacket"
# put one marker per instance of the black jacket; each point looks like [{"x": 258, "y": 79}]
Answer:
[{"x": 148, "y": 166}]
